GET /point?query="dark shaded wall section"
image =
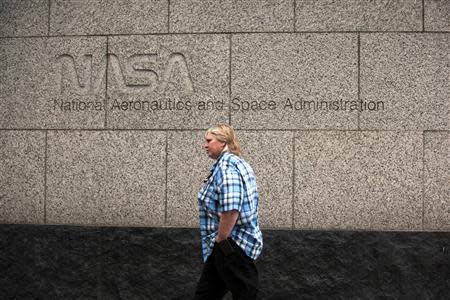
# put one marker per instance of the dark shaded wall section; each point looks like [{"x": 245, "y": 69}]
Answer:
[{"x": 70, "y": 262}]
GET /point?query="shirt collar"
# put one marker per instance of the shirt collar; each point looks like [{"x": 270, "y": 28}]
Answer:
[{"x": 217, "y": 160}]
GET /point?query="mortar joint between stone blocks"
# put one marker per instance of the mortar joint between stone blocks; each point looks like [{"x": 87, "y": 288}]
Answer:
[
  {"x": 423, "y": 180},
  {"x": 45, "y": 173},
  {"x": 48, "y": 20},
  {"x": 293, "y": 180},
  {"x": 166, "y": 163},
  {"x": 168, "y": 16},
  {"x": 423, "y": 15}
]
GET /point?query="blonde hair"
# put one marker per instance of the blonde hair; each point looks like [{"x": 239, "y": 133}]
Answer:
[{"x": 225, "y": 133}]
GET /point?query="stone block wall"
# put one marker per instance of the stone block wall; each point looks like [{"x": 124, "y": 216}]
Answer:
[{"x": 342, "y": 108}]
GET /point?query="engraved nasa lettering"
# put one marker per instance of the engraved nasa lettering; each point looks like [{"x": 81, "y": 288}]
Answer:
[{"x": 137, "y": 73}]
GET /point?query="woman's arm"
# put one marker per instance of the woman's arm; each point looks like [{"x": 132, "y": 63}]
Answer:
[{"x": 226, "y": 224}]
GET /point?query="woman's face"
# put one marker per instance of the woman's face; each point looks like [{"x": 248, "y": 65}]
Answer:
[{"x": 212, "y": 146}]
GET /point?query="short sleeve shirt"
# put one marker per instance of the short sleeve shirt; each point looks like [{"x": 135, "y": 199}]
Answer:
[{"x": 231, "y": 185}]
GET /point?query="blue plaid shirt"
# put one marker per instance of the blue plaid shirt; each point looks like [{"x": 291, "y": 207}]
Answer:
[{"x": 231, "y": 185}]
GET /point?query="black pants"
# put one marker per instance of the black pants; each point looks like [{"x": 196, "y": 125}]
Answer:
[{"x": 234, "y": 272}]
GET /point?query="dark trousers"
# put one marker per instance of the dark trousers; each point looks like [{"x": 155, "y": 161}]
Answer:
[{"x": 234, "y": 272}]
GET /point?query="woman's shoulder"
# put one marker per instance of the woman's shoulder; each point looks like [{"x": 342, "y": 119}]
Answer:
[{"x": 229, "y": 158}]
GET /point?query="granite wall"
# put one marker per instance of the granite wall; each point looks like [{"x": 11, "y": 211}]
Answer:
[{"x": 342, "y": 109}]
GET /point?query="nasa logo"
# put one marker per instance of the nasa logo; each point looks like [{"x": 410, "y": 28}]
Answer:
[{"x": 137, "y": 73}]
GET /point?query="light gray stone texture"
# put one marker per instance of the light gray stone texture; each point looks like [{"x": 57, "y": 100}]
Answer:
[
  {"x": 269, "y": 154},
  {"x": 231, "y": 16},
  {"x": 437, "y": 15},
  {"x": 188, "y": 165},
  {"x": 106, "y": 178},
  {"x": 437, "y": 181},
  {"x": 22, "y": 169},
  {"x": 52, "y": 82},
  {"x": 307, "y": 69},
  {"x": 357, "y": 15},
  {"x": 409, "y": 74},
  {"x": 76, "y": 17},
  {"x": 23, "y": 18},
  {"x": 358, "y": 180},
  {"x": 161, "y": 81}
]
